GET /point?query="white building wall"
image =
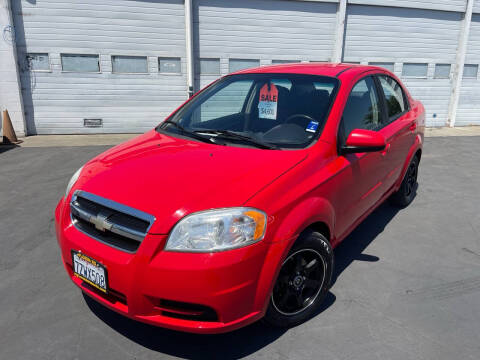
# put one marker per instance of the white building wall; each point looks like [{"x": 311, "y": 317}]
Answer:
[
  {"x": 404, "y": 35},
  {"x": 468, "y": 112},
  {"x": 10, "y": 93},
  {"x": 476, "y": 6},
  {"x": 434, "y": 94},
  {"x": 57, "y": 102},
  {"x": 401, "y": 31},
  {"x": 378, "y": 32},
  {"x": 445, "y": 5},
  {"x": 263, "y": 30}
]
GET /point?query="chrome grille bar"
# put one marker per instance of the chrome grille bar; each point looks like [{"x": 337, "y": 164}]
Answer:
[{"x": 103, "y": 219}]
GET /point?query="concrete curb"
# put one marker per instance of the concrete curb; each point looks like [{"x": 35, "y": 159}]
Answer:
[
  {"x": 75, "y": 140},
  {"x": 455, "y": 131}
]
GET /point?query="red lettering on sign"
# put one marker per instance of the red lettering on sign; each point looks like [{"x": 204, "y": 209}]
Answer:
[{"x": 269, "y": 93}]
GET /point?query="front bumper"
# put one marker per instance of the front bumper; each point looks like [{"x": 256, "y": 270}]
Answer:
[{"x": 227, "y": 282}]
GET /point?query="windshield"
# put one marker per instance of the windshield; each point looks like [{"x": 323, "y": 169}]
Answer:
[{"x": 263, "y": 110}]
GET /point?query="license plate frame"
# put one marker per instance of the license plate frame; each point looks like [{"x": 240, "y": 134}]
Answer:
[{"x": 81, "y": 262}]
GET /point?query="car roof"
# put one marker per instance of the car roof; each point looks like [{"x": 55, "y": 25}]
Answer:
[{"x": 312, "y": 68}]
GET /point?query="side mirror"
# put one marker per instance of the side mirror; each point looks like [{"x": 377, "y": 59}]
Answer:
[{"x": 361, "y": 140}]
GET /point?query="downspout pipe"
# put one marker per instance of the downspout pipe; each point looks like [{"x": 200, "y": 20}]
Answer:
[
  {"x": 189, "y": 45},
  {"x": 460, "y": 64},
  {"x": 338, "y": 44}
]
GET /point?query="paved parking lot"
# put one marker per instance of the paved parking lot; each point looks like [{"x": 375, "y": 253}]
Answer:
[{"x": 407, "y": 282}]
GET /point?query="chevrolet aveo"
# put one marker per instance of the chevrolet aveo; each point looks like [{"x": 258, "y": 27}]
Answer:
[{"x": 229, "y": 210}]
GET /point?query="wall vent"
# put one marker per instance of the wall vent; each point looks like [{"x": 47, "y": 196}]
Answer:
[{"x": 92, "y": 123}]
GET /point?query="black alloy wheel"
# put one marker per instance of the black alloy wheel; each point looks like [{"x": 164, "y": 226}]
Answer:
[
  {"x": 303, "y": 281},
  {"x": 299, "y": 282},
  {"x": 411, "y": 178},
  {"x": 407, "y": 191}
]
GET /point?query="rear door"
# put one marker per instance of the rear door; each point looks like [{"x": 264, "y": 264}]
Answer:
[{"x": 398, "y": 128}]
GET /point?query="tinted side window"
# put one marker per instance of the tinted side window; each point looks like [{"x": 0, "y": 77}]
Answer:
[
  {"x": 362, "y": 108},
  {"x": 394, "y": 96}
]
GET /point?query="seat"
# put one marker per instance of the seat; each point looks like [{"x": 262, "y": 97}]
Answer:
[{"x": 306, "y": 100}]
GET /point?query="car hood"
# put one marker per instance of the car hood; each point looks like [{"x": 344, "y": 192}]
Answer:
[{"x": 170, "y": 177}]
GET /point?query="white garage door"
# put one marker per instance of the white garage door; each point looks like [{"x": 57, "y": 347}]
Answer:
[
  {"x": 468, "y": 112},
  {"x": 415, "y": 40},
  {"x": 100, "y": 66},
  {"x": 235, "y": 34}
]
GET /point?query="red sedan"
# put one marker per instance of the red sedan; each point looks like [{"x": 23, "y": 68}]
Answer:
[{"x": 230, "y": 209}]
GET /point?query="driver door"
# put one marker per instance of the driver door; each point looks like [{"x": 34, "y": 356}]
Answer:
[{"x": 360, "y": 176}]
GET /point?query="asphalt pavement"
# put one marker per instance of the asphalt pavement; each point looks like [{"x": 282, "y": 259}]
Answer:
[{"x": 407, "y": 282}]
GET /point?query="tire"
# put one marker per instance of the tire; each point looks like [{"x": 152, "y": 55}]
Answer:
[
  {"x": 408, "y": 189},
  {"x": 303, "y": 281}
]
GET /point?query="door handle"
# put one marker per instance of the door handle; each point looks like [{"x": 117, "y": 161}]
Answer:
[
  {"x": 386, "y": 150},
  {"x": 413, "y": 126}
]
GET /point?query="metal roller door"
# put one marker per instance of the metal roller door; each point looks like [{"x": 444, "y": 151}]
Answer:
[
  {"x": 445, "y": 5},
  {"x": 410, "y": 38},
  {"x": 252, "y": 32},
  {"x": 68, "y": 76},
  {"x": 469, "y": 102}
]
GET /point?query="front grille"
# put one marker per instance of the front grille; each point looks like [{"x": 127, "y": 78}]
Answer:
[{"x": 107, "y": 221}]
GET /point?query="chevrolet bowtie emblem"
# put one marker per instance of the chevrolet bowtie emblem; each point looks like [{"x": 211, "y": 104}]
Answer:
[{"x": 101, "y": 221}]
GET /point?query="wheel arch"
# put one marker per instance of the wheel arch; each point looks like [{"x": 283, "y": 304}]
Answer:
[
  {"x": 315, "y": 214},
  {"x": 415, "y": 150},
  {"x": 321, "y": 227}
]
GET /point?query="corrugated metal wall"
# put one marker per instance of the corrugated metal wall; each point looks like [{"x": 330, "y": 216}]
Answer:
[
  {"x": 468, "y": 112},
  {"x": 227, "y": 34},
  {"x": 401, "y": 35},
  {"x": 57, "y": 102},
  {"x": 476, "y": 6},
  {"x": 10, "y": 97},
  {"x": 445, "y": 5},
  {"x": 263, "y": 30}
]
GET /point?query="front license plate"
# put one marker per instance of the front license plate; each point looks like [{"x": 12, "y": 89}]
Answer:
[{"x": 89, "y": 270}]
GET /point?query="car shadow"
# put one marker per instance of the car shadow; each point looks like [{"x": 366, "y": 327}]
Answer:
[
  {"x": 248, "y": 340},
  {"x": 6, "y": 147},
  {"x": 234, "y": 345},
  {"x": 352, "y": 247}
]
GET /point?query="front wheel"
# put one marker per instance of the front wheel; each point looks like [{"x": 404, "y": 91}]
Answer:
[
  {"x": 303, "y": 281},
  {"x": 404, "y": 196}
]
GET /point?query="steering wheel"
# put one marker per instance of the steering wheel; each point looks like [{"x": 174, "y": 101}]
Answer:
[{"x": 298, "y": 116}]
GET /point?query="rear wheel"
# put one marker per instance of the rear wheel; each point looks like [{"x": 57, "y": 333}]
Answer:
[
  {"x": 408, "y": 188},
  {"x": 303, "y": 281}
]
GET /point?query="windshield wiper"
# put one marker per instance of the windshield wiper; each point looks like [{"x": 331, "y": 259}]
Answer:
[
  {"x": 188, "y": 133},
  {"x": 227, "y": 134}
]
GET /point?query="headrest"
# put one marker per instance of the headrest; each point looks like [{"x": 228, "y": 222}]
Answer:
[{"x": 302, "y": 89}]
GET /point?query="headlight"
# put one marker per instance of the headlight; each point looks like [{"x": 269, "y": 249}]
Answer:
[
  {"x": 72, "y": 181},
  {"x": 217, "y": 230}
]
